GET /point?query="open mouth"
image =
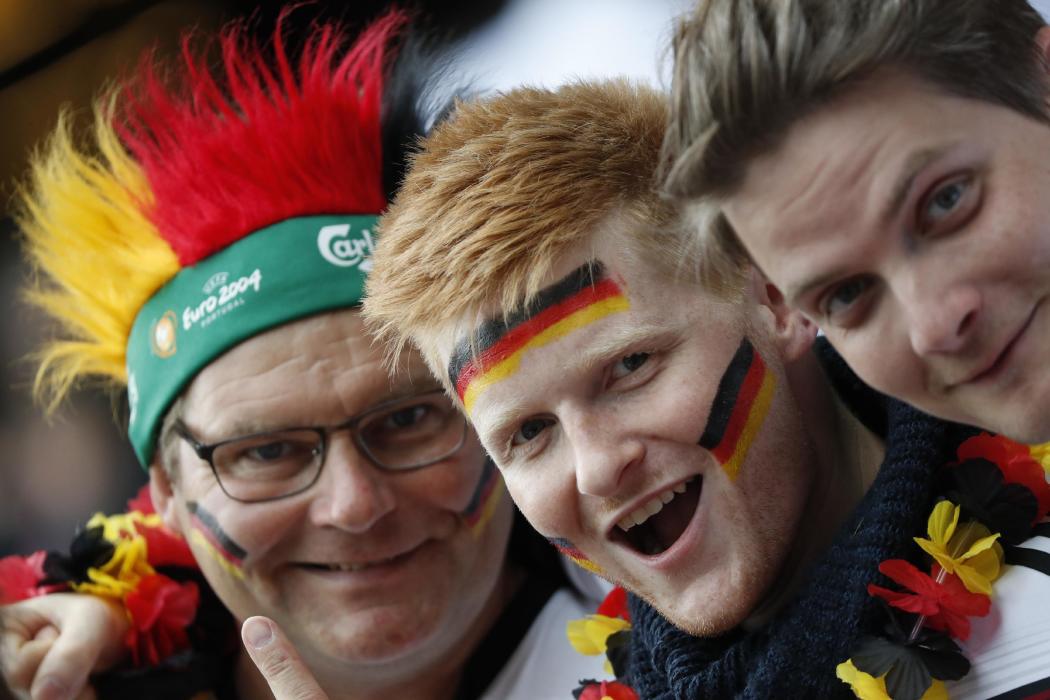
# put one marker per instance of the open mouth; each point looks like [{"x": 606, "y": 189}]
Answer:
[{"x": 656, "y": 525}]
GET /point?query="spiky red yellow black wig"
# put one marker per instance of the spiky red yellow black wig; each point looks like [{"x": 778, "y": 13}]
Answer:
[
  {"x": 208, "y": 157},
  {"x": 264, "y": 141}
]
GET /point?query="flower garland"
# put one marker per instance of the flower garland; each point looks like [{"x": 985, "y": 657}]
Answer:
[
  {"x": 992, "y": 500},
  {"x": 606, "y": 632},
  {"x": 131, "y": 559}
]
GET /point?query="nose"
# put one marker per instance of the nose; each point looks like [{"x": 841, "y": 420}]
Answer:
[
  {"x": 603, "y": 453},
  {"x": 352, "y": 494},
  {"x": 943, "y": 321}
]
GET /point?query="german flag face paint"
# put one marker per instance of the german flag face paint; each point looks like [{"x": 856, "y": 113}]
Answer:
[
  {"x": 584, "y": 296},
  {"x": 485, "y": 499},
  {"x": 209, "y": 535},
  {"x": 740, "y": 406},
  {"x": 578, "y": 558}
]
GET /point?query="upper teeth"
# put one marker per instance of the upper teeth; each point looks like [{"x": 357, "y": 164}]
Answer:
[
  {"x": 346, "y": 567},
  {"x": 650, "y": 508}
]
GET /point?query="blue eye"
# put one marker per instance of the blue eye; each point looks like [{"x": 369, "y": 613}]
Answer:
[
  {"x": 530, "y": 429},
  {"x": 629, "y": 364},
  {"x": 948, "y": 202},
  {"x": 843, "y": 297}
]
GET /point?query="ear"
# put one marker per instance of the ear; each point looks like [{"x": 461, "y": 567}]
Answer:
[
  {"x": 1042, "y": 45},
  {"x": 163, "y": 495},
  {"x": 793, "y": 333}
]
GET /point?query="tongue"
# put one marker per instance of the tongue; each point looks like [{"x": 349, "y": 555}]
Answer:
[{"x": 659, "y": 532}]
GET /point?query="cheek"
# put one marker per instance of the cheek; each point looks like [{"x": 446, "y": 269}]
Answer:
[{"x": 232, "y": 536}]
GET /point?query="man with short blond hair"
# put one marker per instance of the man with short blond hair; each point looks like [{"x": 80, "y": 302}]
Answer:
[
  {"x": 688, "y": 442},
  {"x": 883, "y": 163}
]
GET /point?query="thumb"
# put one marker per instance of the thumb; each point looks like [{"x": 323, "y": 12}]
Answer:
[{"x": 279, "y": 663}]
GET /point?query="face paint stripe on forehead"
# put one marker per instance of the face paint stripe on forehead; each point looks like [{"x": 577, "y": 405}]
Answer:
[
  {"x": 490, "y": 332},
  {"x": 581, "y": 298},
  {"x": 578, "y": 558},
  {"x": 739, "y": 408},
  {"x": 209, "y": 535}
]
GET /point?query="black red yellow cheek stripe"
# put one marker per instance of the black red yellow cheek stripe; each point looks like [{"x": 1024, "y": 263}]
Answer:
[
  {"x": 494, "y": 353},
  {"x": 739, "y": 408},
  {"x": 579, "y": 558},
  {"x": 485, "y": 498},
  {"x": 210, "y": 536}
]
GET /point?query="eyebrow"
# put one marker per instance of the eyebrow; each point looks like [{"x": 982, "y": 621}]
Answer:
[
  {"x": 242, "y": 427},
  {"x": 915, "y": 163},
  {"x": 505, "y": 413}
]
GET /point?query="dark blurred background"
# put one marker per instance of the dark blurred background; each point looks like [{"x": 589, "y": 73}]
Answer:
[{"x": 55, "y": 473}]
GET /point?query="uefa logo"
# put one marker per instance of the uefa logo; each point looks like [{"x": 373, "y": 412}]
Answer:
[{"x": 162, "y": 335}]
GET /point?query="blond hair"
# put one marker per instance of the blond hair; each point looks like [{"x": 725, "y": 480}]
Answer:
[
  {"x": 504, "y": 188},
  {"x": 95, "y": 256},
  {"x": 747, "y": 70}
]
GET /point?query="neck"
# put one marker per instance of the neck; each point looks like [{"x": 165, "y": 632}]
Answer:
[
  {"x": 436, "y": 680},
  {"x": 846, "y": 458}
]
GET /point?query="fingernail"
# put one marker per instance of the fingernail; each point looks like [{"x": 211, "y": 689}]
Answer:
[
  {"x": 257, "y": 632},
  {"x": 50, "y": 688}
]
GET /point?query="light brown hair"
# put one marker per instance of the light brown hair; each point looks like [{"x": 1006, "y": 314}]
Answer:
[
  {"x": 504, "y": 188},
  {"x": 747, "y": 70}
]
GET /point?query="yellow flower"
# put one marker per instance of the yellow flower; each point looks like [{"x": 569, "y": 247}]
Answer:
[
  {"x": 971, "y": 553},
  {"x": 867, "y": 687},
  {"x": 121, "y": 574},
  {"x": 115, "y": 527},
  {"x": 588, "y": 636},
  {"x": 1041, "y": 454}
]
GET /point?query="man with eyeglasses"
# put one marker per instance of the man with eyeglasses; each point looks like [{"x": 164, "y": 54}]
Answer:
[{"x": 211, "y": 260}]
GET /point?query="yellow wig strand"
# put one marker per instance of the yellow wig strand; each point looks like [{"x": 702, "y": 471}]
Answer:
[{"x": 96, "y": 258}]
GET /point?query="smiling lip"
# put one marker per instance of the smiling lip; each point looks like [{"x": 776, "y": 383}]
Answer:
[
  {"x": 670, "y": 558},
  {"x": 625, "y": 512},
  {"x": 370, "y": 567},
  {"x": 991, "y": 370}
]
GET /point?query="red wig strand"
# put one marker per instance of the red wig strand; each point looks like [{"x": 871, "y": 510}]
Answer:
[{"x": 224, "y": 159}]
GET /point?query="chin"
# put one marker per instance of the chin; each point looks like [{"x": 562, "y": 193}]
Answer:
[{"x": 703, "y": 614}]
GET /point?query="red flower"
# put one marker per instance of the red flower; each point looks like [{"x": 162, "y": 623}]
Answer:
[
  {"x": 160, "y": 609},
  {"x": 946, "y": 605},
  {"x": 1014, "y": 461},
  {"x": 142, "y": 502},
  {"x": 20, "y": 578},
  {"x": 615, "y": 604},
  {"x": 165, "y": 548},
  {"x": 613, "y": 690}
]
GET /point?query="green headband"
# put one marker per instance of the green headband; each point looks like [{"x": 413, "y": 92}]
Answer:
[{"x": 278, "y": 274}]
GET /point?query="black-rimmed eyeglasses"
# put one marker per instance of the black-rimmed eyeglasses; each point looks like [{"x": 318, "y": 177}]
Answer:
[{"x": 398, "y": 435}]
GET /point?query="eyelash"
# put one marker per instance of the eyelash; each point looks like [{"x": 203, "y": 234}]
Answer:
[
  {"x": 527, "y": 449},
  {"x": 964, "y": 206}
]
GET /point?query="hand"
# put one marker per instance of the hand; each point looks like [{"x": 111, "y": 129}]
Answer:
[
  {"x": 50, "y": 644},
  {"x": 279, "y": 663}
]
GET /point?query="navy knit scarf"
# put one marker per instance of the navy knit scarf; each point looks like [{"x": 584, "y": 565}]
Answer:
[{"x": 795, "y": 655}]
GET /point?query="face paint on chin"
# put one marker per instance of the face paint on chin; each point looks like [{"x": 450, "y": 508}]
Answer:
[
  {"x": 576, "y": 556},
  {"x": 485, "y": 498},
  {"x": 585, "y": 295},
  {"x": 209, "y": 535},
  {"x": 740, "y": 406}
]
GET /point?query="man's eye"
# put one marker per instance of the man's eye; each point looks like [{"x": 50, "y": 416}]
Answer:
[
  {"x": 406, "y": 417},
  {"x": 272, "y": 451},
  {"x": 844, "y": 296},
  {"x": 628, "y": 364},
  {"x": 530, "y": 429},
  {"x": 945, "y": 203}
]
